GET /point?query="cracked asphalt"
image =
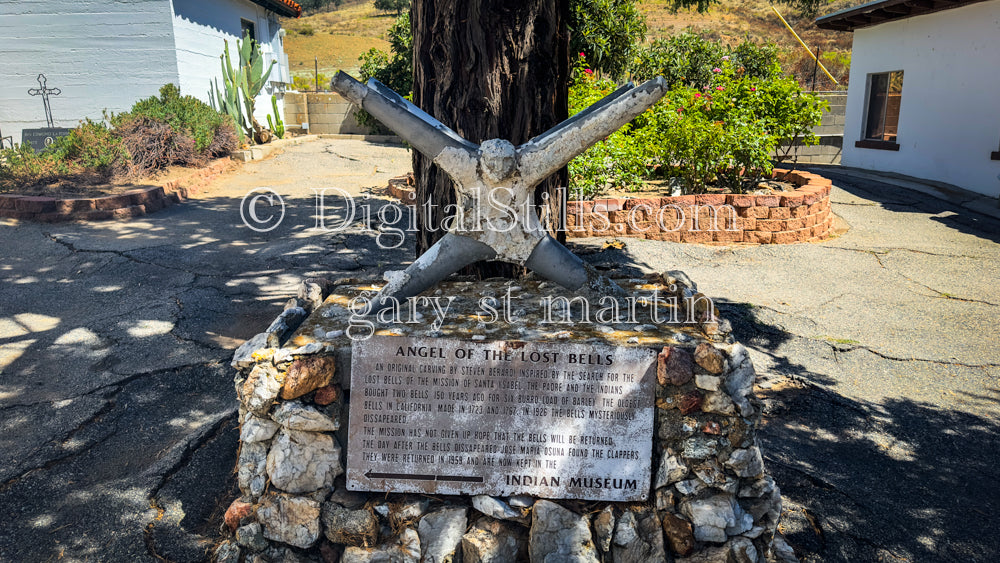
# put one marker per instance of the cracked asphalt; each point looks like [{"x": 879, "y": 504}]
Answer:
[
  {"x": 879, "y": 365},
  {"x": 877, "y": 353},
  {"x": 117, "y": 408}
]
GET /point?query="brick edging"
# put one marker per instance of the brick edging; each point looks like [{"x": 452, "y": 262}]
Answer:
[
  {"x": 802, "y": 215},
  {"x": 132, "y": 203}
]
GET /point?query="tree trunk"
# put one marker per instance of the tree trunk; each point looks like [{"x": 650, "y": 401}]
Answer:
[{"x": 489, "y": 69}]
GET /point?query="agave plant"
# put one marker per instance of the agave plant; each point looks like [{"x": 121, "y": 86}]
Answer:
[{"x": 244, "y": 83}]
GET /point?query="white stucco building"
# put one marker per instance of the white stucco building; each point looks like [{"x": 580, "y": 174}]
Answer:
[
  {"x": 924, "y": 90},
  {"x": 108, "y": 54}
]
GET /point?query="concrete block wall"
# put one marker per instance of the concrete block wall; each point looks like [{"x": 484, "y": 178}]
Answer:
[
  {"x": 830, "y": 131},
  {"x": 324, "y": 112}
]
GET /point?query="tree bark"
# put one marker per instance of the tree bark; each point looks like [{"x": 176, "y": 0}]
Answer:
[{"x": 489, "y": 69}]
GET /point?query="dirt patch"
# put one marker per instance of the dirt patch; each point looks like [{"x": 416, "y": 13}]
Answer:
[
  {"x": 662, "y": 189},
  {"x": 89, "y": 187}
]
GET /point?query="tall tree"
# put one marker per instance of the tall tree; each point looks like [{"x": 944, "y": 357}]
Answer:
[{"x": 489, "y": 69}]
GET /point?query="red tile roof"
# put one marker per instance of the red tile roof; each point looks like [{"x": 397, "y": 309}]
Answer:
[{"x": 286, "y": 8}]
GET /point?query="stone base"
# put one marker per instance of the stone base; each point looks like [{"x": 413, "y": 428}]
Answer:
[{"x": 711, "y": 499}]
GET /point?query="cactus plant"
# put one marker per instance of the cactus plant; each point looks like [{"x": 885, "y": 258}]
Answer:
[
  {"x": 244, "y": 82},
  {"x": 278, "y": 126}
]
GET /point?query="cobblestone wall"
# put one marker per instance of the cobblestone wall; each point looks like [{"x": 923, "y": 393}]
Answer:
[{"x": 711, "y": 499}]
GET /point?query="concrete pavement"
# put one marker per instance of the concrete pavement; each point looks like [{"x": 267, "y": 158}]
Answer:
[{"x": 877, "y": 352}]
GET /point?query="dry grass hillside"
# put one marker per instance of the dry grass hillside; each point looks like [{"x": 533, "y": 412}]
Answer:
[
  {"x": 337, "y": 38},
  {"x": 340, "y": 36}
]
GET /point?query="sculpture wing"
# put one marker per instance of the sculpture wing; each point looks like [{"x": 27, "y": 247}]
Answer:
[
  {"x": 415, "y": 126},
  {"x": 547, "y": 153}
]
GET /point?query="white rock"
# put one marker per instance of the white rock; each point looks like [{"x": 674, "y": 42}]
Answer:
[
  {"x": 710, "y": 517},
  {"x": 281, "y": 356},
  {"x": 243, "y": 357},
  {"x": 743, "y": 550},
  {"x": 308, "y": 349},
  {"x": 746, "y": 463},
  {"x": 638, "y": 538},
  {"x": 441, "y": 534},
  {"x": 558, "y": 534},
  {"x": 404, "y": 548},
  {"x": 672, "y": 469},
  {"x": 302, "y": 462},
  {"x": 739, "y": 380},
  {"x": 294, "y": 415},
  {"x": 490, "y": 541},
  {"x": 707, "y": 382},
  {"x": 498, "y": 509},
  {"x": 261, "y": 389},
  {"x": 257, "y": 429},
  {"x": 251, "y": 468},
  {"x": 289, "y": 519},
  {"x": 521, "y": 501},
  {"x": 718, "y": 403},
  {"x": 690, "y": 487}
]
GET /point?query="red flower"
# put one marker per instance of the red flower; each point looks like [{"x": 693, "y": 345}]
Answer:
[
  {"x": 588, "y": 71},
  {"x": 698, "y": 95},
  {"x": 719, "y": 88},
  {"x": 582, "y": 55}
]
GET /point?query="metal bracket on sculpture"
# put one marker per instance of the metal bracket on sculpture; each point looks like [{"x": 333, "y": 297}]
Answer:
[{"x": 491, "y": 180}]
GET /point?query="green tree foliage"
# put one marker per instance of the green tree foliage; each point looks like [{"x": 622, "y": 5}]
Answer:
[
  {"x": 392, "y": 6},
  {"x": 313, "y": 6},
  {"x": 688, "y": 60},
  {"x": 393, "y": 68},
  {"x": 607, "y": 32}
]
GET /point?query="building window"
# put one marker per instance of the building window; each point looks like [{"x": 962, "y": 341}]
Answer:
[
  {"x": 249, "y": 28},
  {"x": 885, "y": 91}
]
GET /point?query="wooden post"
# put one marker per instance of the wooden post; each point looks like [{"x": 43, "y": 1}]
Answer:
[{"x": 815, "y": 68}]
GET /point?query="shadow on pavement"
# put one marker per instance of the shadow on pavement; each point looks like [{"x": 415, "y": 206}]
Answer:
[
  {"x": 896, "y": 481},
  {"x": 894, "y": 198}
]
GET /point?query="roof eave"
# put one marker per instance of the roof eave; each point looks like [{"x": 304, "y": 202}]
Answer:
[{"x": 882, "y": 11}]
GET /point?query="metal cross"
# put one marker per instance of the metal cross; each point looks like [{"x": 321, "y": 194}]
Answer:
[
  {"x": 492, "y": 179},
  {"x": 45, "y": 93}
]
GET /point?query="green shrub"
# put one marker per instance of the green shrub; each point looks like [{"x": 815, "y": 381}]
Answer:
[
  {"x": 308, "y": 83},
  {"x": 92, "y": 146},
  {"x": 719, "y": 125},
  {"x": 157, "y": 132},
  {"x": 184, "y": 114},
  {"x": 21, "y": 166}
]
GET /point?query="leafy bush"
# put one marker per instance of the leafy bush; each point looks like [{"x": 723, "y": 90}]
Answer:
[
  {"x": 719, "y": 125},
  {"x": 157, "y": 132},
  {"x": 308, "y": 83},
  {"x": 185, "y": 114}
]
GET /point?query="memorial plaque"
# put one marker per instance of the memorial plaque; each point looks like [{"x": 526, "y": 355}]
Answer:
[
  {"x": 553, "y": 420},
  {"x": 40, "y": 139}
]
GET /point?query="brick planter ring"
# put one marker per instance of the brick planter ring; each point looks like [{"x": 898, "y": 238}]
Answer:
[
  {"x": 133, "y": 203},
  {"x": 802, "y": 215}
]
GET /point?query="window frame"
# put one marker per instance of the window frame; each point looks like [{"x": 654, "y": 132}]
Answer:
[
  {"x": 875, "y": 143},
  {"x": 250, "y": 25}
]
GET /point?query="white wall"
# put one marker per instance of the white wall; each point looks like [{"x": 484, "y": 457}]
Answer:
[
  {"x": 949, "y": 120},
  {"x": 101, "y": 54},
  {"x": 200, "y": 29}
]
